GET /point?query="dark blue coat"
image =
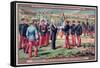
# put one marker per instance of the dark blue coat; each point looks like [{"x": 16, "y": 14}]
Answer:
[
  {"x": 66, "y": 29},
  {"x": 23, "y": 29},
  {"x": 78, "y": 30},
  {"x": 73, "y": 29},
  {"x": 53, "y": 30}
]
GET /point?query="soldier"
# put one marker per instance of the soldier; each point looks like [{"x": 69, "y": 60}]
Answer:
[
  {"x": 84, "y": 28},
  {"x": 87, "y": 28},
  {"x": 43, "y": 31},
  {"x": 91, "y": 29},
  {"x": 32, "y": 36},
  {"x": 66, "y": 31},
  {"x": 78, "y": 31},
  {"x": 22, "y": 30},
  {"x": 53, "y": 35},
  {"x": 73, "y": 33}
]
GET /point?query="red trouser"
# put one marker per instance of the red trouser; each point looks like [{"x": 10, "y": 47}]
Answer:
[
  {"x": 31, "y": 44},
  {"x": 23, "y": 41},
  {"x": 67, "y": 42},
  {"x": 73, "y": 40},
  {"x": 42, "y": 40},
  {"x": 79, "y": 40}
]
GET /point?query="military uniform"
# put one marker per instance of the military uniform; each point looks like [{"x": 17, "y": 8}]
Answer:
[
  {"x": 66, "y": 31},
  {"x": 78, "y": 31},
  {"x": 23, "y": 40},
  {"x": 92, "y": 29},
  {"x": 32, "y": 36},
  {"x": 43, "y": 31},
  {"x": 73, "y": 34}
]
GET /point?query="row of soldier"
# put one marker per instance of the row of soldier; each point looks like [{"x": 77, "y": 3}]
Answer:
[{"x": 37, "y": 34}]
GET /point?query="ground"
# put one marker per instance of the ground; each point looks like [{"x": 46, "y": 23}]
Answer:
[{"x": 85, "y": 52}]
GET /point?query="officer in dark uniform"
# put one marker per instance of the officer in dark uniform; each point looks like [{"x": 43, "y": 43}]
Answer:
[
  {"x": 66, "y": 32},
  {"x": 53, "y": 35},
  {"x": 78, "y": 31}
]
